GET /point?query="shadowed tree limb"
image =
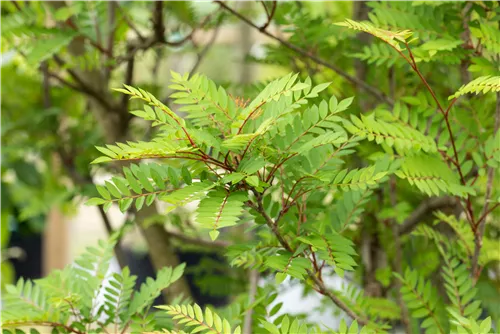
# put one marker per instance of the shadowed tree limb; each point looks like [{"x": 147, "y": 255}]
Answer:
[{"x": 426, "y": 206}]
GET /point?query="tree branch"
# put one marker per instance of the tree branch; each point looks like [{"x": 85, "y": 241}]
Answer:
[
  {"x": 269, "y": 14},
  {"x": 426, "y": 206},
  {"x": 370, "y": 89},
  {"x": 96, "y": 45},
  {"x": 130, "y": 23},
  {"x": 83, "y": 87},
  {"x": 158, "y": 26}
]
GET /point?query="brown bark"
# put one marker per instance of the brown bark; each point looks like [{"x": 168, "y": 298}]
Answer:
[{"x": 161, "y": 252}]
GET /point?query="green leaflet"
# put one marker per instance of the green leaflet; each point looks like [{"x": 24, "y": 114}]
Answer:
[
  {"x": 481, "y": 85},
  {"x": 422, "y": 299},
  {"x": 293, "y": 325},
  {"x": 380, "y": 54},
  {"x": 328, "y": 138},
  {"x": 403, "y": 137},
  {"x": 118, "y": 296},
  {"x": 142, "y": 184},
  {"x": 204, "y": 102},
  {"x": 392, "y": 38},
  {"x": 153, "y": 288},
  {"x": 187, "y": 194},
  {"x": 205, "y": 322},
  {"x": 490, "y": 36},
  {"x": 431, "y": 176},
  {"x": 161, "y": 112},
  {"x": 333, "y": 248},
  {"x": 158, "y": 148},
  {"x": 289, "y": 265},
  {"x": 349, "y": 208},
  {"x": 44, "y": 48},
  {"x": 56, "y": 296},
  {"x": 220, "y": 209},
  {"x": 459, "y": 288}
]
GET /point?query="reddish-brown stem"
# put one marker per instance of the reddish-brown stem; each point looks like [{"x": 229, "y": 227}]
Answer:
[
  {"x": 275, "y": 168},
  {"x": 490, "y": 210},
  {"x": 268, "y": 14},
  {"x": 246, "y": 149},
  {"x": 413, "y": 64},
  {"x": 250, "y": 116},
  {"x": 449, "y": 106},
  {"x": 445, "y": 114}
]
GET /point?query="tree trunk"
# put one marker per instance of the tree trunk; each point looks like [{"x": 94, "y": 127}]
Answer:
[{"x": 161, "y": 252}]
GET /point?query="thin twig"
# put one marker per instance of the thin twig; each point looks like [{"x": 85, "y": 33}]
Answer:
[
  {"x": 485, "y": 214},
  {"x": 370, "y": 89},
  {"x": 157, "y": 38},
  {"x": 201, "y": 55},
  {"x": 96, "y": 45},
  {"x": 129, "y": 22},
  {"x": 64, "y": 82},
  {"x": 269, "y": 14}
]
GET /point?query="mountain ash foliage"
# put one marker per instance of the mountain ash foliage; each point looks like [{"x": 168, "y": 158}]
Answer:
[{"x": 307, "y": 170}]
